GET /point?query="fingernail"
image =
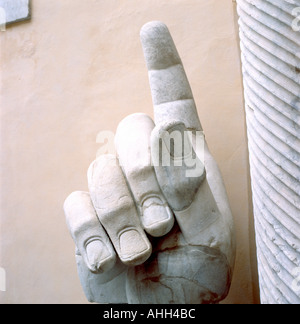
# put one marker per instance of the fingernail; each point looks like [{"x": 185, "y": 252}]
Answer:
[
  {"x": 99, "y": 257},
  {"x": 176, "y": 140},
  {"x": 135, "y": 248},
  {"x": 157, "y": 217}
]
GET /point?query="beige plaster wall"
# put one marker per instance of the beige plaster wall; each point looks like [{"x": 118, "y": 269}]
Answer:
[{"x": 77, "y": 69}]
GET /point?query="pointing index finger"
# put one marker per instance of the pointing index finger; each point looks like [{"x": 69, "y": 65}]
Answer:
[{"x": 171, "y": 92}]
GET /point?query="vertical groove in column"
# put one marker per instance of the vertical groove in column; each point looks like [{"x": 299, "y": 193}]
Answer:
[{"x": 271, "y": 70}]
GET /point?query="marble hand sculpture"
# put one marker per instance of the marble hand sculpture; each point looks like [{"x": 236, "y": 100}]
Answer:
[{"x": 155, "y": 226}]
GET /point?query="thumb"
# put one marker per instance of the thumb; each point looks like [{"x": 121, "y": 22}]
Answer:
[
  {"x": 178, "y": 160},
  {"x": 185, "y": 177}
]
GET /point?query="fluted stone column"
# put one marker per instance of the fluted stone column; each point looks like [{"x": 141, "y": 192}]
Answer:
[{"x": 270, "y": 46}]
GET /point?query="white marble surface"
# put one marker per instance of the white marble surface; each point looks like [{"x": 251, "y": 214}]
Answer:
[
  {"x": 15, "y": 10},
  {"x": 173, "y": 192},
  {"x": 271, "y": 62}
]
